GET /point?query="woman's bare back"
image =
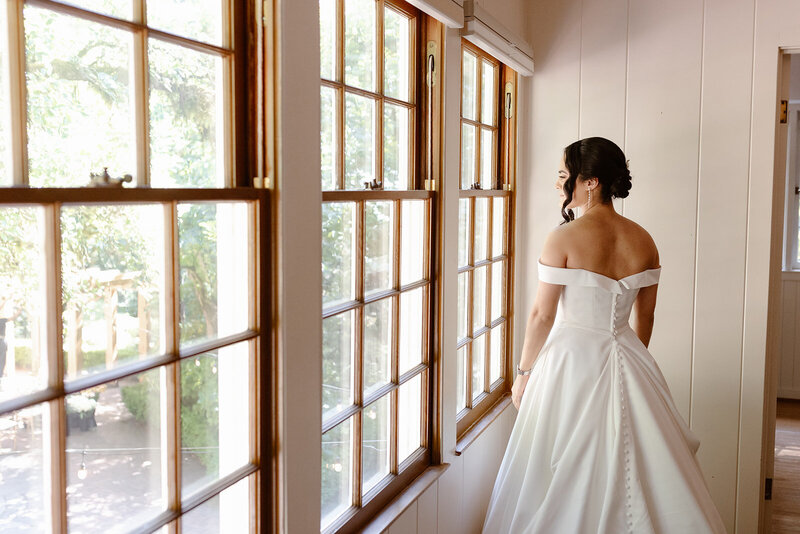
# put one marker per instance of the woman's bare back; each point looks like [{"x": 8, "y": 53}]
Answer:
[{"x": 604, "y": 242}]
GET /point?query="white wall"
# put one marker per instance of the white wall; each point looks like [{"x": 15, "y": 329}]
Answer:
[{"x": 687, "y": 88}]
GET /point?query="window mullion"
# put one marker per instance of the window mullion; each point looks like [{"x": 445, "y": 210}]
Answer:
[
  {"x": 379, "y": 89},
  {"x": 139, "y": 96},
  {"x": 340, "y": 94},
  {"x": 54, "y": 425},
  {"x": 18, "y": 147},
  {"x": 169, "y": 375}
]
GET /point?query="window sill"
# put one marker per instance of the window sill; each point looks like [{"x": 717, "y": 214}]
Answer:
[
  {"x": 482, "y": 424},
  {"x": 399, "y": 504}
]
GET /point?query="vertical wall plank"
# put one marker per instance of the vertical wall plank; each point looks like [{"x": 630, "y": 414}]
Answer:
[
  {"x": 407, "y": 522},
  {"x": 788, "y": 306},
  {"x": 481, "y": 464},
  {"x": 603, "y": 63},
  {"x": 450, "y": 489},
  {"x": 721, "y": 241},
  {"x": 426, "y": 510},
  {"x": 548, "y": 122},
  {"x": 662, "y": 124},
  {"x": 789, "y": 332}
]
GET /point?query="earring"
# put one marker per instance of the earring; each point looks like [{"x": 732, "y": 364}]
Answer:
[{"x": 589, "y": 204}]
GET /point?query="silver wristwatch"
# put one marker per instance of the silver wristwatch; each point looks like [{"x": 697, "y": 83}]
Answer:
[{"x": 520, "y": 372}]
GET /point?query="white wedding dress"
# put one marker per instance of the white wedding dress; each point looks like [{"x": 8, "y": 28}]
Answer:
[{"x": 598, "y": 446}]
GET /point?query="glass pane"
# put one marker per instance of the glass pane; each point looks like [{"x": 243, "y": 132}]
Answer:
[
  {"x": 377, "y": 344},
  {"x": 114, "y": 454},
  {"x": 338, "y": 249},
  {"x": 488, "y": 93},
  {"x": 409, "y": 415},
  {"x": 468, "y": 142},
  {"x": 197, "y": 19},
  {"x": 461, "y": 379},
  {"x": 487, "y": 159},
  {"x": 359, "y": 141},
  {"x": 338, "y": 355},
  {"x": 228, "y": 511},
  {"x": 481, "y": 227},
  {"x": 396, "y": 147},
  {"x": 479, "y": 299},
  {"x": 378, "y": 246},
  {"x": 6, "y": 154},
  {"x": 80, "y": 117},
  {"x": 328, "y": 129},
  {"x": 498, "y": 352},
  {"x": 412, "y": 241},
  {"x": 23, "y": 309},
  {"x": 214, "y": 241},
  {"x": 116, "y": 8},
  {"x": 360, "y": 45},
  {"x": 478, "y": 365},
  {"x": 327, "y": 39},
  {"x": 397, "y": 38},
  {"x": 375, "y": 444},
  {"x": 469, "y": 86},
  {"x": 215, "y": 415},
  {"x": 463, "y": 304},
  {"x": 22, "y": 479},
  {"x": 412, "y": 314},
  {"x": 337, "y": 471},
  {"x": 112, "y": 278},
  {"x": 187, "y": 119},
  {"x": 498, "y": 289},
  {"x": 498, "y": 226}
]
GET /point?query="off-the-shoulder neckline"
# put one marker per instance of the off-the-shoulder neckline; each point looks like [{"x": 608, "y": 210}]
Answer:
[{"x": 654, "y": 269}]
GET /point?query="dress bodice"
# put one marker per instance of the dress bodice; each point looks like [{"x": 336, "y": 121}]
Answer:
[{"x": 594, "y": 300}]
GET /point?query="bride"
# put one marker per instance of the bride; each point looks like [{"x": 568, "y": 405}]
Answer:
[{"x": 598, "y": 445}]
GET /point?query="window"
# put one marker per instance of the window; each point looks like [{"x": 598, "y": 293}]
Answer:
[
  {"x": 792, "y": 239},
  {"x": 485, "y": 257},
  {"x": 130, "y": 317},
  {"x": 376, "y": 256}
]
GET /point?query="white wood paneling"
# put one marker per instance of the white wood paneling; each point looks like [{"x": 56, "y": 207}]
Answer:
[
  {"x": 789, "y": 381},
  {"x": 603, "y": 64},
  {"x": 662, "y": 143},
  {"x": 406, "y": 523},
  {"x": 721, "y": 241},
  {"x": 426, "y": 511},
  {"x": 481, "y": 464},
  {"x": 553, "y": 98},
  {"x": 450, "y": 497}
]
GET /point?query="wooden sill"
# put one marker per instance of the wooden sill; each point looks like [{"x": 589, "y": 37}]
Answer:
[
  {"x": 472, "y": 433},
  {"x": 399, "y": 504}
]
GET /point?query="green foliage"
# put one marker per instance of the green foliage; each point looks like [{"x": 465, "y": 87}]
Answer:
[
  {"x": 200, "y": 409},
  {"x": 22, "y": 358},
  {"x": 141, "y": 398}
]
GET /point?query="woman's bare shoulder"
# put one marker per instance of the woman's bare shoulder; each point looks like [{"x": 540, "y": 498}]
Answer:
[
  {"x": 643, "y": 240},
  {"x": 554, "y": 251}
]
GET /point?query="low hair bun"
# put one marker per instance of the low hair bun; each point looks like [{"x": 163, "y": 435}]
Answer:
[{"x": 622, "y": 185}]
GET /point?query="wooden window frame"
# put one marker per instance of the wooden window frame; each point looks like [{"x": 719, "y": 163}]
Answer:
[
  {"x": 341, "y": 89},
  {"x": 503, "y": 182},
  {"x": 247, "y": 152},
  {"x": 424, "y": 105}
]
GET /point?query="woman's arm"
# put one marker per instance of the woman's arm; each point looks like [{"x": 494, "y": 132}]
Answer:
[
  {"x": 644, "y": 313},
  {"x": 540, "y": 321}
]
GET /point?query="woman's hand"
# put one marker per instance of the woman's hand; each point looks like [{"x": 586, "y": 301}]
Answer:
[{"x": 518, "y": 389}]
